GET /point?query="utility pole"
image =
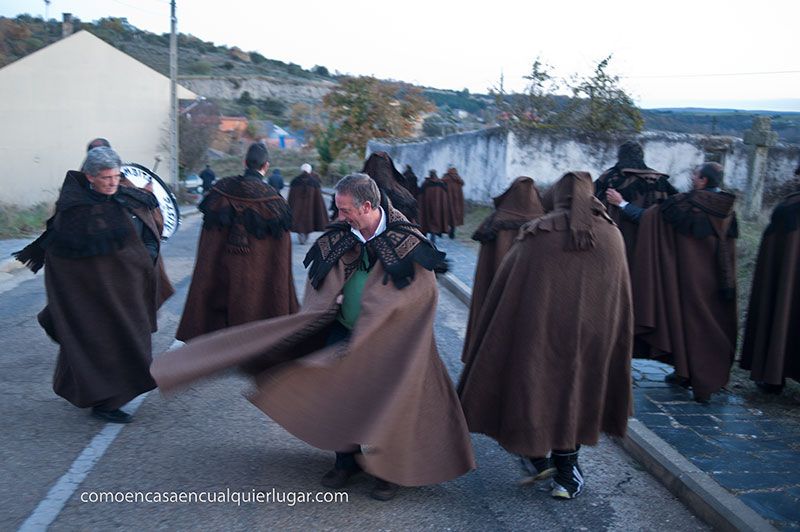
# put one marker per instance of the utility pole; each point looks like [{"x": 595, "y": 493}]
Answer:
[{"x": 173, "y": 93}]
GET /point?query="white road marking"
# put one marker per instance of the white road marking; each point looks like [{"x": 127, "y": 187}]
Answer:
[{"x": 48, "y": 508}]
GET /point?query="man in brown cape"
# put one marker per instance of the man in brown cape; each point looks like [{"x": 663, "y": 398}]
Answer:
[
  {"x": 356, "y": 370},
  {"x": 628, "y": 188},
  {"x": 434, "y": 206},
  {"x": 548, "y": 363},
  {"x": 771, "y": 349},
  {"x": 308, "y": 208},
  {"x": 684, "y": 283},
  {"x": 243, "y": 270},
  {"x": 519, "y": 204},
  {"x": 102, "y": 263},
  {"x": 455, "y": 196}
]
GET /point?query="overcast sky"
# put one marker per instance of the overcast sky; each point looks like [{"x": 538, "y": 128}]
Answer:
[{"x": 678, "y": 53}]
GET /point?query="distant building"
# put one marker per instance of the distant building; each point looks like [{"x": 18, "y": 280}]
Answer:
[
  {"x": 274, "y": 136},
  {"x": 233, "y": 124},
  {"x": 55, "y": 100}
]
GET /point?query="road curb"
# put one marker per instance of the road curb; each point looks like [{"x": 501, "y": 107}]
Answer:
[{"x": 697, "y": 490}]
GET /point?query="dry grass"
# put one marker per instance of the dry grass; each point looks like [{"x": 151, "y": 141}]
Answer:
[{"x": 16, "y": 222}]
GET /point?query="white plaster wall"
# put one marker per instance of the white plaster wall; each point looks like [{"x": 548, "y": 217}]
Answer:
[
  {"x": 476, "y": 155},
  {"x": 489, "y": 160},
  {"x": 54, "y": 101}
]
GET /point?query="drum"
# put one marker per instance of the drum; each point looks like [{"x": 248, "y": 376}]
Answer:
[{"x": 141, "y": 176}]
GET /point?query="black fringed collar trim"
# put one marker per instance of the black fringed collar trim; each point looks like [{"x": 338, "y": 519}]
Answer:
[
  {"x": 234, "y": 201},
  {"x": 398, "y": 248},
  {"x": 689, "y": 213}
]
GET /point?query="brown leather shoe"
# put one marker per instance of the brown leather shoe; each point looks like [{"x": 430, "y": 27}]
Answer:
[
  {"x": 338, "y": 478},
  {"x": 383, "y": 490}
]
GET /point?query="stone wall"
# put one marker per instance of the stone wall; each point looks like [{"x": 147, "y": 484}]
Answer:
[
  {"x": 490, "y": 159},
  {"x": 259, "y": 87}
]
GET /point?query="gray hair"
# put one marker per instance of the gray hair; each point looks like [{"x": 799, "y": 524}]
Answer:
[
  {"x": 99, "y": 159},
  {"x": 361, "y": 187}
]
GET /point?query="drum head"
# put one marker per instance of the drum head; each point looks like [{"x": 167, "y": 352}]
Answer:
[{"x": 141, "y": 176}]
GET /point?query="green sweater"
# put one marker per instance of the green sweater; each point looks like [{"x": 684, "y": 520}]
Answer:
[{"x": 353, "y": 288}]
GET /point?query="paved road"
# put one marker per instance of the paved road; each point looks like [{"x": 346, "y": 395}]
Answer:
[{"x": 211, "y": 439}]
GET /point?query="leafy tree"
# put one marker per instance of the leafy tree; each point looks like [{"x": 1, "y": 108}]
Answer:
[
  {"x": 601, "y": 105},
  {"x": 535, "y": 108},
  {"x": 196, "y": 131},
  {"x": 328, "y": 145},
  {"x": 364, "y": 107}
]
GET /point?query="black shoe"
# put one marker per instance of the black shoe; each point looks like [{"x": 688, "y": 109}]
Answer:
[
  {"x": 568, "y": 481},
  {"x": 112, "y": 416},
  {"x": 452, "y": 233},
  {"x": 536, "y": 469},
  {"x": 673, "y": 378},
  {"x": 383, "y": 490},
  {"x": 338, "y": 478},
  {"x": 703, "y": 399}
]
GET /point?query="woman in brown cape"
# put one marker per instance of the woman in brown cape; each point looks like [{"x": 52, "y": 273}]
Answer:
[
  {"x": 684, "y": 283},
  {"x": 101, "y": 254},
  {"x": 548, "y": 364},
  {"x": 519, "y": 204},
  {"x": 771, "y": 348},
  {"x": 243, "y": 270},
  {"x": 384, "y": 389},
  {"x": 455, "y": 196},
  {"x": 308, "y": 208},
  {"x": 434, "y": 206}
]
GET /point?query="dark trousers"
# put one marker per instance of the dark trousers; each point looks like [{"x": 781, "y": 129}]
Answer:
[{"x": 345, "y": 459}]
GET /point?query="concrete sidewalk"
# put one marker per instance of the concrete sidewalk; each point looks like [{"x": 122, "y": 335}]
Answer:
[{"x": 733, "y": 466}]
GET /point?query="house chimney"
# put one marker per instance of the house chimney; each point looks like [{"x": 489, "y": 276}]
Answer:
[{"x": 66, "y": 25}]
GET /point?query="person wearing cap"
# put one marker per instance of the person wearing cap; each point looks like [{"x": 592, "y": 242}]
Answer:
[
  {"x": 684, "y": 283},
  {"x": 243, "y": 270},
  {"x": 308, "y": 208}
]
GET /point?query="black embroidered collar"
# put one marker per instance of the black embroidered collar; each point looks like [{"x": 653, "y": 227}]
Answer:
[{"x": 398, "y": 248}]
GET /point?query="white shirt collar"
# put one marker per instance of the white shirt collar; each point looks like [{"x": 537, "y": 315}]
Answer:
[{"x": 381, "y": 228}]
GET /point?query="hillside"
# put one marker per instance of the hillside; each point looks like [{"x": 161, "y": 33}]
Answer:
[
  {"x": 276, "y": 85},
  {"x": 720, "y": 122},
  {"x": 24, "y": 34}
]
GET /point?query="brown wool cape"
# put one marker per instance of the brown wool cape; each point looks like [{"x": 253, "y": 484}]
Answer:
[
  {"x": 642, "y": 187},
  {"x": 771, "y": 347},
  {"x": 103, "y": 290},
  {"x": 243, "y": 270},
  {"x": 455, "y": 195},
  {"x": 385, "y": 389},
  {"x": 380, "y": 167},
  {"x": 308, "y": 208},
  {"x": 519, "y": 204},
  {"x": 684, "y": 285},
  {"x": 548, "y": 363},
  {"x": 434, "y": 205}
]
